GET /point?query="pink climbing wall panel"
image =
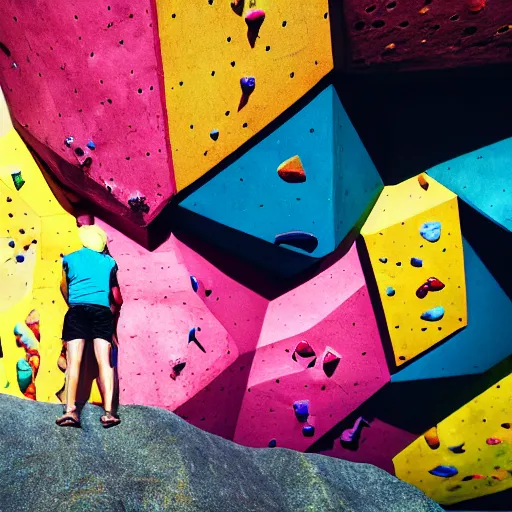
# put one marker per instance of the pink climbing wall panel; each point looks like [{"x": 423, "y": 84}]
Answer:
[
  {"x": 90, "y": 70},
  {"x": 421, "y": 34}
]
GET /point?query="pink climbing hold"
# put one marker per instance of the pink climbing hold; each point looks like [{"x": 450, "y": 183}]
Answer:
[
  {"x": 330, "y": 364},
  {"x": 304, "y": 349},
  {"x": 493, "y": 441},
  {"x": 350, "y": 434},
  {"x": 254, "y": 20}
]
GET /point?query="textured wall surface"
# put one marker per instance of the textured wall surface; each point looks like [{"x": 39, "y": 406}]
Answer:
[{"x": 423, "y": 34}]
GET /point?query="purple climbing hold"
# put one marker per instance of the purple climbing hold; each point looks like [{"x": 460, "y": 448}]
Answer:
[
  {"x": 247, "y": 83},
  {"x": 308, "y": 431},
  {"x": 214, "y": 134},
  {"x": 301, "y": 408},
  {"x": 299, "y": 239},
  {"x": 272, "y": 443},
  {"x": 11, "y": 244},
  {"x": 416, "y": 262},
  {"x": 350, "y": 434},
  {"x": 195, "y": 283},
  {"x": 434, "y": 314},
  {"x": 91, "y": 145},
  {"x": 20, "y": 258},
  {"x": 444, "y": 471}
]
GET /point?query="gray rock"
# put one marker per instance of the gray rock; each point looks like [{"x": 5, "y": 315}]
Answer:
[{"x": 156, "y": 461}]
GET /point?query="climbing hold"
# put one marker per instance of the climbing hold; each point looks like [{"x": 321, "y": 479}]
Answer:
[
  {"x": 331, "y": 362},
  {"x": 308, "y": 431},
  {"x": 432, "y": 438},
  {"x": 208, "y": 292},
  {"x": 423, "y": 182},
  {"x": 301, "y": 408},
  {"x": 434, "y": 285},
  {"x": 138, "y": 204},
  {"x": 433, "y": 315},
  {"x": 247, "y": 83},
  {"x": 431, "y": 231},
  {"x": 20, "y": 258},
  {"x": 299, "y": 239},
  {"x": 238, "y": 7},
  {"x": 17, "y": 179},
  {"x": 214, "y": 134},
  {"x": 493, "y": 441},
  {"x": 79, "y": 152},
  {"x": 476, "y": 5},
  {"x": 87, "y": 162},
  {"x": 68, "y": 141},
  {"x": 192, "y": 338},
  {"x": 177, "y": 369},
  {"x": 444, "y": 471},
  {"x": 195, "y": 283},
  {"x": 390, "y": 291},
  {"x": 416, "y": 262},
  {"x": 292, "y": 171},
  {"x": 383, "y": 260},
  {"x": 506, "y": 425},
  {"x": 500, "y": 474},
  {"x": 351, "y": 434},
  {"x": 473, "y": 477},
  {"x": 24, "y": 374},
  {"x": 11, "y": 244},
  {"x": 272, "y": 443},
  {"x": 14, "y": 65},
  {"x": 457, "y": 449},
  {"x": 304, "y": 349},
  {"x": 91, "y": 145},
  {"x": 254, "y": 20}
]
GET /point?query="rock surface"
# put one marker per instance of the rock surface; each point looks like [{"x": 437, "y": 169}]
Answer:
[{"x": 156, "y": 461}]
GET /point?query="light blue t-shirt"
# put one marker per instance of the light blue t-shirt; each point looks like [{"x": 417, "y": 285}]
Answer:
[{"x": 90, "y": 275}]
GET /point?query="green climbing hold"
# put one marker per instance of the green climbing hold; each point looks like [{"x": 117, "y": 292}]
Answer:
[{"x": 17, "y": 179}]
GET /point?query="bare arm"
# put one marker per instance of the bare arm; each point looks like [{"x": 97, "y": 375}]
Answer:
[
  {"x": 116, "y": 299},
  {"x": 64, "y": 286}
]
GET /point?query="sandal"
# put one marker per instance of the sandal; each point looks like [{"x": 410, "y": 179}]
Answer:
[
  {"x": 68, "y": 419},
  {"x": 109, "y": 420}
]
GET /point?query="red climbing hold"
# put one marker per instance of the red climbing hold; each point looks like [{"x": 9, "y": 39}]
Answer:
[
  {"x": 434, "y": 285},
  {"x": 304, "y": 349},
  {"x": 254, "y": 20},
  {"x": 493, "y": 441},
  {"x": 331, "y": 362},
  {"x": 476, "y": 5}
]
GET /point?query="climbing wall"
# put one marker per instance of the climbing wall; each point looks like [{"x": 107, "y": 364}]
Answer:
[
  {"x": 467, "y": 454},
  {"x": 35, "y": 231},
  {"x": 423, "y": 34},
  {"x": 230, "y": 70}
]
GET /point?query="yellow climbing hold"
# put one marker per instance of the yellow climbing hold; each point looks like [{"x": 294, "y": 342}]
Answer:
[
  {"x": 291, "y": 170},
  {"x": 392, "y": 233}
]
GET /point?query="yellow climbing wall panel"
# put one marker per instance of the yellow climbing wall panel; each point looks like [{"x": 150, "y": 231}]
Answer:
[
  {"x": 34, "y": 231},
  {"x": 206, "y": 51},
  {"x": 393, "y": 239},
  {"x": 483, "y": 464}
]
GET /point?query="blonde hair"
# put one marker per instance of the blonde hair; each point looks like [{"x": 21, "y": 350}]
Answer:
[{"x": 93, "y": 237}]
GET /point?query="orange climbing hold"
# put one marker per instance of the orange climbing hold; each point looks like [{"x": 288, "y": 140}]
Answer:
[
  {"x": 432, "y": 438},
  {"x": 423, "y": 182},
  {"x": 291, "y": 170}
]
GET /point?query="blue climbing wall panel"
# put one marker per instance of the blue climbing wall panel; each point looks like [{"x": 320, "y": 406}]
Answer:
[
  {"x": 341, "y": 182},
  {"x": 483, "y": 179},
  {"x": 483, "y": 343}
]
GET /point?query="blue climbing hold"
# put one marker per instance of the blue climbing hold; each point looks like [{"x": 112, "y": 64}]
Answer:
[
  {"x": 308, "y": 431},
  {"x": 247, "y": 83},
  {"x": 195, "y": 283},
  {"x": 416, "y": 262},
  {"x": 272, "y": 443},
  {"x": 434, "y": 314},
  {"x": 383, "y": 260},
  {"x": 444, "y": 471},
  {"x": 91, "y": 145},
  {"x": 301, "y": 408},
  {"x": 11, "y": 244},
  {"x": 299, "y": 239},
  {"x": 390, "y": 291},
  {"x": 192, "y": 334},
  {"x": 214, "y": 134},
  {"x": 68, "y": 141},
  {"x": 20, "y": 258},
  {"x": 457, "y": 449},
  {"x": 431, "y": 231}
]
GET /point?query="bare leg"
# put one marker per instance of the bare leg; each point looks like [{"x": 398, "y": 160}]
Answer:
[
  {"x": 75, "y": 350},
  {"x": 102, "y": 350}
]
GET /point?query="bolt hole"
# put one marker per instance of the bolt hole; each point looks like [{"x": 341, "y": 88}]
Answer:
[
  {"x": 503, "y": 29},
  {"x": 378, "y": 24},
  {"x": 292, "y": 74},
  {"x": 391, "y": 5},
  {"x": 359, "y": 25},
  {"x": 173, "y": 15},
  {"x": 435, "y": 27},
  {"x": 371, "y": 8},
  {"x": 455, "y": 17},
  {"x": 267, "y": 48},
  {"x": 213, "y": 73},
  {"x": 283, "y": 24},
  {"x": 121, "y": 42},
  {"x": 404, "y": 24},
  {"x": 228, "y": 39},
  {"x": 227, "y": 113},
  {"x": 469, "y": 31}
]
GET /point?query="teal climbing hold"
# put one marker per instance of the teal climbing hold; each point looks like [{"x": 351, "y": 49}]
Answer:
[
  {"x": 431, "y": 231},
  {"x": 390, "y": 291},
  {"x": 434, "y": 314}
]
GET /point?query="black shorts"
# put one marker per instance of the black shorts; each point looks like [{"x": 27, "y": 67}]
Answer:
[{"x": 86, "y": 322}]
